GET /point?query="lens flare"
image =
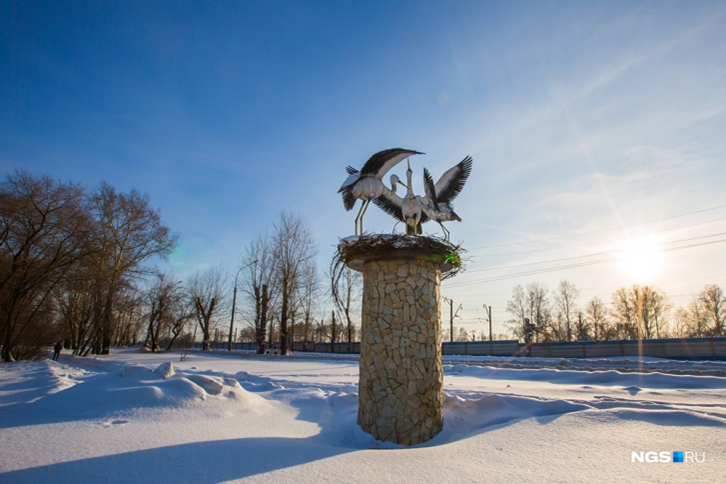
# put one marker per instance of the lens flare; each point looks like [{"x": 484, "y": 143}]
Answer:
[{"x": 640, "y": 259}]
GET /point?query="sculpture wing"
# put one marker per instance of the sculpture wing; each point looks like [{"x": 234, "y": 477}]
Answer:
[
  {"x": 453, "y": 180},
  {"x": 390, "y": 203},
  {"x": 380, "y": 163},
  {"x": 348, "y": 199},
  {"x": 424, "y": 218},
  {"x": 429, "y": 188}
]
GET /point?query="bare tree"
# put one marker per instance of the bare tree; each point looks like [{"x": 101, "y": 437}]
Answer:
[
  {"x": 597, "y": 318},
  {"x": 697, "y": 319},
  {"x": 713, "y": 301},
  {"x": 681, "y": 320},
  {"x": 700, "y": 318},
  {"x": 129, "y": 316},
  {"x": 205, "y": 290},
  {"x": 259, "y": 284},
  {"x": 345, "y": 284},
  {"x": 539, "y": 307},
  {"x": 651, "y": 310},
  {"x": 130, "y": 232},
  {"x": 310, "y": 294},
  {"x": 321, "y": 330},
  {"x": 461, "y": 335},
  {"x": 640, "y": 312},
  {"x": 566, "y": 304},
  {"x": 517, "y": 307},
  {"x": 44, "y": 233},
  {"x": 293, "y": 247},
  {"x": 531, "y": 303},
  {"x": 76, "y": 299},
  {"x": 247, "y": 334},
  {"x": 623, "y": 312},
  {"x": 582, "y": 328},
  {"x": 180, "y": 314},
  {"x": 168, "y": 310},
  {"x": 333, "y": 332}
]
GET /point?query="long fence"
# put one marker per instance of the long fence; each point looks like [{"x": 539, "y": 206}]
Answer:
[{"x": 670, "y": 348}]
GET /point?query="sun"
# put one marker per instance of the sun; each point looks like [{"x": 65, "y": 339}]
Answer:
[{"x": 641, "y": 259}]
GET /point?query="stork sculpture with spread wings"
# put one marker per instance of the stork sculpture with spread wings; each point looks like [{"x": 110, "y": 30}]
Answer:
[
  {"x": 436, "y": 205},
  {"x": 367, "y": 184},
  {"x": 413, "y": 210},
  {"x": 439, "y": 196}
]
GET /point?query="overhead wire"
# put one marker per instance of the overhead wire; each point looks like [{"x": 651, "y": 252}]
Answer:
[
  {"x": 576, "y": 262},
  {"x": 580, "y": 234},
  {"x": 601, "y": 254},
  {"x": 561, "y": 247},
  {"x": 570, "y": 266}
]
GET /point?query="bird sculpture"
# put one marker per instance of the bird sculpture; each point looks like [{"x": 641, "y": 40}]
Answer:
[
  {"x": 367, "y": 184},
  {"x": 411, "y": 206},
  {"x": 436, "y": 205}
]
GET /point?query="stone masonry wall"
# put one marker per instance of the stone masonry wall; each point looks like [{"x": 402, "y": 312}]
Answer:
[{"x": 401, "y": 379}]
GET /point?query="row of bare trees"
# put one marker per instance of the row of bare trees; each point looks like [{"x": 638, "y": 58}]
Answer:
[
  {"x": 69, "y": 262},
  {"x": 173, "y": 308},
  {"x": 75, "y": 266},
  {"x": 281, "y": 280},
  {"x": 282, "y": 284},
  {"x": 638, "y": 312}
]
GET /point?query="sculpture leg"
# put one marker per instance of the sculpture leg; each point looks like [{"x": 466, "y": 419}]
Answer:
[
  {"x": 359, "y": 217},
  {"x": 446, "y": 232},
  {"x": 368, "y": 202}
]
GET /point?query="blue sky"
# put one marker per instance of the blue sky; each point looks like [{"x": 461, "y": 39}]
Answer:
[{"x": 590, "y": 124}]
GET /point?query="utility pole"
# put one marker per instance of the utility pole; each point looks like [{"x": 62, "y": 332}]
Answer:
[
  {"x": 332, "y": 333},
  {"x": 488, "y": 309},
  {"x": 528, "y": 330},
  {"x": 452, "y": 315},
  {"x": 234, "y": 303}
]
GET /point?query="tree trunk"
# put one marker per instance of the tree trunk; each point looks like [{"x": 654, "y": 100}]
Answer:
[
  {"x": 333, "y": 330},
  {"x": 205, "y": 318},
  {"x": 283, "y": 323},
  {"x": 261, "y": 330},
  {"x": 106, "y": 321}
]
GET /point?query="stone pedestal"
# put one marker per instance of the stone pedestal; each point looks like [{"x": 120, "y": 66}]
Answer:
[{"x": 401, "y": 379}]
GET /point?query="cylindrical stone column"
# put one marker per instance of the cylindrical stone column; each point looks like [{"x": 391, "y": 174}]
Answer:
[{"x": 401, "y": 378}]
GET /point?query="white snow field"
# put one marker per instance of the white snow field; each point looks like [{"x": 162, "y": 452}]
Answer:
[{"x": 131, "y": 417}]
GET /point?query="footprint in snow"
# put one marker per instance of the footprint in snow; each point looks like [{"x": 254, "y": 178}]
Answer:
[{"x": 112, "y": 423}]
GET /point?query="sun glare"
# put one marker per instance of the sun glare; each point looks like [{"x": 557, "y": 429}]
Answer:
[{"x": 640, "y": 259}]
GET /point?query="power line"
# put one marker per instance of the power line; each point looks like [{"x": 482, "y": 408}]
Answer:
[
  {"x": 570, "y": 266},
  {"x": 601, "y": 230},
  {"x": 534, "y": 272},
  {"x": 603, "y": 253},
  {"x": 561, "y": 247}
]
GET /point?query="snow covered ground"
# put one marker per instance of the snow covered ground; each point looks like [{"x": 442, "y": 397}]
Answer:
[{"x": 239, "y": 417}]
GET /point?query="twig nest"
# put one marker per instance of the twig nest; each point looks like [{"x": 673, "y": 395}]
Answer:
[{"x": 355, "y": 251}]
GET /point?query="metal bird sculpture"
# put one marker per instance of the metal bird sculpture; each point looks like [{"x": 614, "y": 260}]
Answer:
[
  {"x": 367, "y": 184},
  {"x": 436, "y": 205},
  {"x": 411, "y": 206}
]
